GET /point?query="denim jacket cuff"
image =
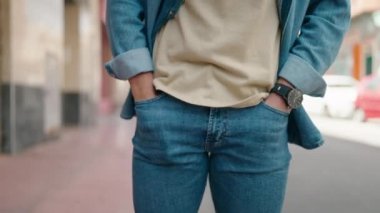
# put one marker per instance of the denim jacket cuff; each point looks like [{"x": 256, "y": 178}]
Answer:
[
  {"x": 303, "y": 76},
  {"x": 130, "y": 63}
]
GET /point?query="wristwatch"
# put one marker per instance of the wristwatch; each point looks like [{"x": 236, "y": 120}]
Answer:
[{"x": 292, "y": 96}]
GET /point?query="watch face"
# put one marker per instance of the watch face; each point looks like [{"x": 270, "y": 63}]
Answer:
[{"x": 295, "y": 98}]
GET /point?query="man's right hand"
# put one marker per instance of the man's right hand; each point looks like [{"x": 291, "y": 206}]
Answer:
[{"x": 142, "y": 86}]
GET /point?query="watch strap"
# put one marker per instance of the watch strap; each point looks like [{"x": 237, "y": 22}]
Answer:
[{"x": 282, "y": 90}]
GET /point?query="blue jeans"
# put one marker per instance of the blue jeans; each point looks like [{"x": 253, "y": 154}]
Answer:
[{"x": 243, "y": 151}]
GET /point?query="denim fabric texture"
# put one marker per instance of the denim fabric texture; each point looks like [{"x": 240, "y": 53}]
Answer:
[
  {"x": 312, "y": 32},
  {"x": 177, "y": 146}
]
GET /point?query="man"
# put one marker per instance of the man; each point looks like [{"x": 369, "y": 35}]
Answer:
[{"x": 216, "y": 87}]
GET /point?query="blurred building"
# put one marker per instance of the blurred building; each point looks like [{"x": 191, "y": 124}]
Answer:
[
  {"x": 50, "y": 69},
  {"x": 360, "y": 52}
]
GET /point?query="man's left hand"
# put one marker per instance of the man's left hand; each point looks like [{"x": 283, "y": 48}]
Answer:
[{"x": 277, "y": 101}]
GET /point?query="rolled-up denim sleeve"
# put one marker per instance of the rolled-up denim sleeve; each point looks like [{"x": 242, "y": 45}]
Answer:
[
  {"x": 125, "y": 27},
  {"x": 317, "y": 46},
  {"x": 129, "y": 64}
]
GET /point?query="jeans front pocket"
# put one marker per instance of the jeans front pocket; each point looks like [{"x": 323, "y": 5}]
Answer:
[
  {"x": 159, "y": 95},
  {"x": 274, "y": 110}
]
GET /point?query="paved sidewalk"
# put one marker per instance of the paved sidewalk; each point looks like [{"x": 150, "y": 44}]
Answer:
[
  {"x": 86, "y": 170},
  {"x": 367, "y": 133}
]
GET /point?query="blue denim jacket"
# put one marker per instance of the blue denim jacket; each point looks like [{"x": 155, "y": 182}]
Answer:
[{"x": 312, "y": 32}]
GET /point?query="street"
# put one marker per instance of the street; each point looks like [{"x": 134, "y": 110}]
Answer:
[
  {"x": 339, "y": 177},
  {"x": 89, "y": 170}
]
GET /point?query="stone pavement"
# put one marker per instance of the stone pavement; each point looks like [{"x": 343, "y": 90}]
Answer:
[
  {"x": 86, "y": 170},
  {"x": 367, "y": 133}
]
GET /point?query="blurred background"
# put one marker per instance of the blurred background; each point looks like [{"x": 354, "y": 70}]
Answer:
[{"x": 64, "y": 148}]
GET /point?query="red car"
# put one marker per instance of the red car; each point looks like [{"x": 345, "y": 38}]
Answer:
[{"x": 368, "y": 100}]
